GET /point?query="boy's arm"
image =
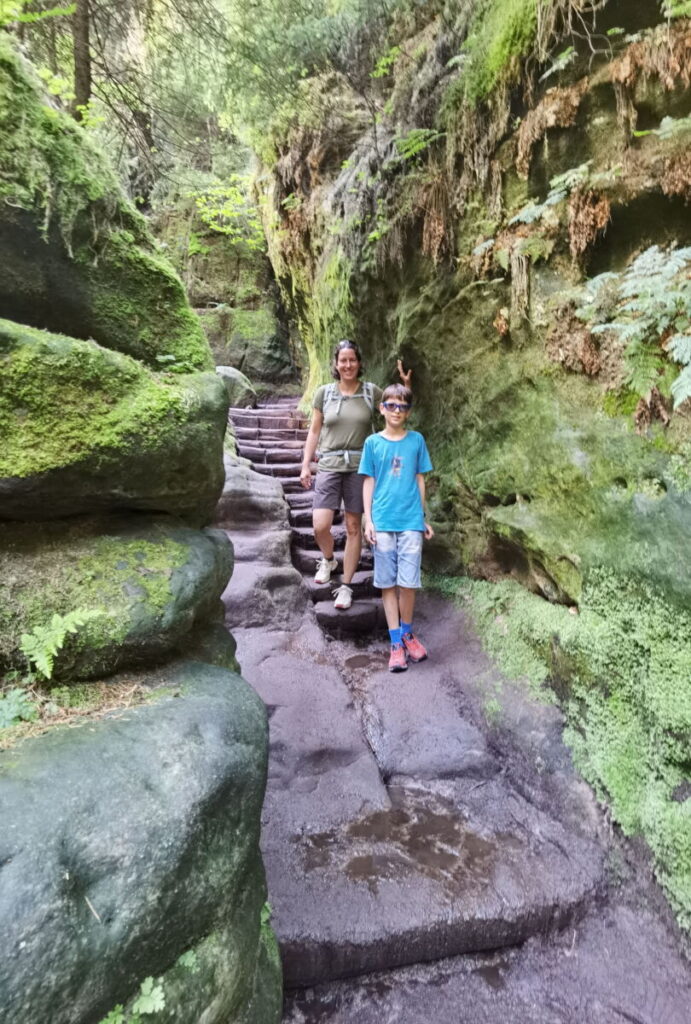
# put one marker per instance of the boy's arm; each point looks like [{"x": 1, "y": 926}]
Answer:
[
  {"x": 429, "y": 532},
  {"x": 367, "y": 493}
]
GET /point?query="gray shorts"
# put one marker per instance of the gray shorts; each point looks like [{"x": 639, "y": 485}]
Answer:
[{"x": 330, "y": 489}]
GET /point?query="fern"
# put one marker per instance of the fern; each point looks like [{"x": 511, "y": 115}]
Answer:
[
  {"x": 415, "y": 142},
  {"x": 43, "y": 643},
  {"x": 559, "y": 188},
  {"x": 648, "y": 308},
  {"x": 16, "y": 706}
]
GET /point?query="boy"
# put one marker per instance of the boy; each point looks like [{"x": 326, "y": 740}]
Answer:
[{"x": 393, "y": 462}]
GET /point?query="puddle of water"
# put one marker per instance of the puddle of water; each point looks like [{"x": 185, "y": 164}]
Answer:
[
  {"x": 417, "y": 836},
  {"x": 372, "y": 659},
  {"x": 492, "y": 975}
]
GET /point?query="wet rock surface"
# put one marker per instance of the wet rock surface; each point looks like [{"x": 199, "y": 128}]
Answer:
[{"x": 413, "y": 818}]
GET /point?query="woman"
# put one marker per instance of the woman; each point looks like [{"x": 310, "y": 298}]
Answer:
[{"x": 342, "y": 416}]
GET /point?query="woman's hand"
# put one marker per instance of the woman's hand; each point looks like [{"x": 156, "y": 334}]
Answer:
[
  {"x": 405, "y": 375},
  {"x": 306, "y": 477},
  {"x": 429, "y": 532}
]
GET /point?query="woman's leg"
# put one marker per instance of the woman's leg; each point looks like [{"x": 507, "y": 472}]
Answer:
[
  {"x": 322, "y": 520},
  {"x": 353, "y": 546}
]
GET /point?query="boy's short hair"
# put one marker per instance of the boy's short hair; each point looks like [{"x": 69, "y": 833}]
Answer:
[{"x": 397, "y": 393}]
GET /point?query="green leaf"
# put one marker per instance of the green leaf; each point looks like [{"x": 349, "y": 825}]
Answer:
[{"x": 151, "y": 998}]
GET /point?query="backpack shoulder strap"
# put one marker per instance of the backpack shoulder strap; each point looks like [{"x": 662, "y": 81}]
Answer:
[{"x": 368, "y": 394}]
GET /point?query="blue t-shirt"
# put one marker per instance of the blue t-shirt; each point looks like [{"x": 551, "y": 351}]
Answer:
[{"x": 394, "y": 465}]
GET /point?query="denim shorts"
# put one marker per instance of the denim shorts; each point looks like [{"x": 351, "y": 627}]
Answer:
[{"x": 397, "y": 558}]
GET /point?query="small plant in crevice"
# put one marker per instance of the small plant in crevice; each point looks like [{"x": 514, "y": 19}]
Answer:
[{"x": 43, "y": 643}]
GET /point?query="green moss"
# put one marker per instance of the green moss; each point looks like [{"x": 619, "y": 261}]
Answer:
[
  {"x": 62, "y": 400},
  {"x": 622, "y": 667},
  {"x": 86, "y": 261}
]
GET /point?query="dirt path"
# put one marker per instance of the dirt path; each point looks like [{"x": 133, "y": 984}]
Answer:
[{"x": 436, "y": 850}]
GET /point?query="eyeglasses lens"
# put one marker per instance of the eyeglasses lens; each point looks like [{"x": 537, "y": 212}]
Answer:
[{"x": 395, "y": 406}]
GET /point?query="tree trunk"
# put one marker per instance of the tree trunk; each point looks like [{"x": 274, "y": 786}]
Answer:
[{"x": 82, "y": 58}]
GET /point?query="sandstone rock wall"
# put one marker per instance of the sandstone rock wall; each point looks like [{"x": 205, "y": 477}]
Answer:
[
  {"x": 462, "y": 232},
  {"x": 130, "y": 833}
]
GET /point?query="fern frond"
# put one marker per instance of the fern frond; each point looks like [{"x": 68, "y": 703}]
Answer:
[
  {"x": 43, "y": 644},
  {"x": 681, "y": 387},
  {"x": 679, "y": 348}
]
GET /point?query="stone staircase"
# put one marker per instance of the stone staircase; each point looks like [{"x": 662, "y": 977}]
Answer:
[{"x": 272, "y": 438}]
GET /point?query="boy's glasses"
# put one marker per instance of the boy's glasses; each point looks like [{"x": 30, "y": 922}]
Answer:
[{"x": 396, "y": 406}]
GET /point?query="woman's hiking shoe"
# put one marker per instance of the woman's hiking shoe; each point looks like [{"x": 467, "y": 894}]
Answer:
[
  {"x": 414, "y": 649},
  {"x": 325, "y": 566},
  {"x": 344, "y": 597},
  {"x": 397, "y": 659}
]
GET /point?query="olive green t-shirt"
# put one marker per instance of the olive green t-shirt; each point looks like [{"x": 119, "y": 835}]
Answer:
[{"x": 347, "y": 424}]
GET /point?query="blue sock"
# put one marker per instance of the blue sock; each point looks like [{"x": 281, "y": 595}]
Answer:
[
  {"x": 395, "y": 635},
  {"x": 406, "y": 627}
]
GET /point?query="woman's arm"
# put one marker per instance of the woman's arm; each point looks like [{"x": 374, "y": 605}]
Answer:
[
  {"x": 367, "y": 492},
  {"x": 310, "y": 447},
  {"x": 405, "y": 375},
  {"x": 429, "y": 532}
]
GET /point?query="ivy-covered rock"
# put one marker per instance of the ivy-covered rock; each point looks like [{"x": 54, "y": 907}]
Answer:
[
  {"x": 86, "y": 429},
  {"x": 77, "y": 257},
  {"x": 150, "y": 579},
  {"x": 131, "y": 864}
]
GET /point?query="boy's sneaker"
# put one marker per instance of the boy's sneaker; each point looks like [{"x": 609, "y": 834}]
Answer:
[
  {"x": 344, "y": 597},
  {"x": 414, "y": 649},
  {"x": 397, "y": 659},
  {"x": 325, "y": 566}
]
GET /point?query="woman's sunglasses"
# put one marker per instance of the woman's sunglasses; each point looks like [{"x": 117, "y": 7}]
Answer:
[{"x": 396, "y": 406}]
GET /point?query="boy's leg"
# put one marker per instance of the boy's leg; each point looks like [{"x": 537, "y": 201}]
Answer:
[
  {"x": 406, "y": 603},
  {"x": 408, "y": 578},
  {"x": 389, "y": 599}
]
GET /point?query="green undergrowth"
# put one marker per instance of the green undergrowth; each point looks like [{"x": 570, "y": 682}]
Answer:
[
  {"x": 621, "y": 668},
  {"x": 501, "y": 33}
]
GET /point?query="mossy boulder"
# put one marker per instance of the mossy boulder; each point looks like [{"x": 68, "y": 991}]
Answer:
[
  {"x": 86, "y": 429},
  {"x": 131, "y": 852},
  {"x": 239, "y": 387},
  {"x": 151, "y": 579},
  {"x": 77, "y": 256}
]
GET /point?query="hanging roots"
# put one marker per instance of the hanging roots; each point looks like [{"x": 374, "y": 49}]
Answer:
[
  {"x": 589, "y": 214},
  {"x": 557, "y": 109},
  {"x": 520, "y": 284}
]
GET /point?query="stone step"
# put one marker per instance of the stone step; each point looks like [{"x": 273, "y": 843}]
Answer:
[
  {"x": 292, "y": 485},
  {"x": 303, "y": 536},
  {"x": 300, "y": 500},
  {"x": 361, "y": 585},
  {"x": 286, "y": 469},
  {"x": 269, "y": 436},
  {"x": 302, "y": 516},
  {"x": 363, "y": 617},
  {"x": 266, "y": 455},
  {"x": 255, "y": 418},
  {"x": 283, "y": 444},
  {"x": 306, "y": 561}
]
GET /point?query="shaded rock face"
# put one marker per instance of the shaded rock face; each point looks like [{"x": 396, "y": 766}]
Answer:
[
  {"x": 132, "y": 838},
  {"x": 182, "y": 781},
  {"x": 559, "y": 460},
  {"x": 232, "y": 287}
]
